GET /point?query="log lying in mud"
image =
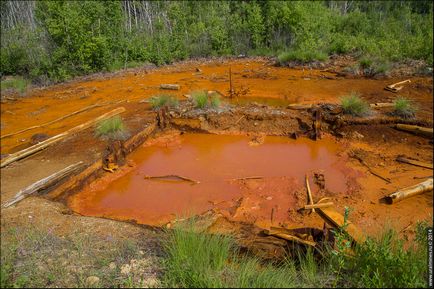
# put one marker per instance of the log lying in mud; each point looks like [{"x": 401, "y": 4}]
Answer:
[
  {"x": 173, "y": 177},
  {"x": 337, "y": 220},
  {"x": 316, "y": 206},
  {"x": 414, "y": 162},
  {"x": 296, "y": 106},
  {"x": 393, "y": 88},
  {"x": 169, "y": 86},
  {"x": 37, "y": 147},
  {"x": 408, "y": 192},
  {"x": 381, "y": 104},
  {"x": 288, "y": 235},
  {"x": 43, "y": 184},
  {"x": 424, "y": 131},
  {"x": 59, "y": 119}
]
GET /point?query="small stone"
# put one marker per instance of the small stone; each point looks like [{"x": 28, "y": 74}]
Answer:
[
  {"x": 141, "y": 252},
  {"x": 255, "y": 123},
  {"x": 92, "y": 280},
  {"x": 112, "y": 265},
  {"x": 269, "y": 198}
]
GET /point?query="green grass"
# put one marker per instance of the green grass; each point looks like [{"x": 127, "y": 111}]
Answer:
[
  {"x": 112, "y": 128},
  {"x": 352, "y": 104},
  {"x": 403, "y": 107},
  {"x": 301, "y": 55},
  {"x": 163, "y": 100},
  {"x": 203, "y": 100},
  {"x": 18, "y": 84}
]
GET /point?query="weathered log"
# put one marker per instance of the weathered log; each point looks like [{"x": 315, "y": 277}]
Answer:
[
  {"x": 43, "y": 184},
  {"x": 424, "y": 131},
  {"x": 288, "y": 235},
  {"x": 57, "y": 119},
  {"x": 381, "y": 104},
  {"x": 309, "y": 193},
  {"x": 322, "y": 205},
  {"x": 393, "y": 88},
  {"x": 37, "y": 147},
  {"x": 414, "y": 162},
  {"x": 170, "y": 86},
  {"x": 296, "y": 106},
  {"x": 408, "y": 192}
]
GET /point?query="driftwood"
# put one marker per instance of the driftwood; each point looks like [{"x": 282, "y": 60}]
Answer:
[
  {"x": 381, "y": 104},
  {"x": 37, "y": 147},
  {"x": 169, "y": 86},
  {"x": 43, "y": 184},
  {"x": 322, "y": 205},
  {"x": 309, "y": 193},
  {"x": 408, "y": 192},
  {"x": 427, "y": 132},
  {"x": 414, "y": 162},
  {"x": 173, "y": 176},
  {"x": 57, "y": 119},
  {"x": 289, "y": 235},
  {"x": 337, "y": 220}
]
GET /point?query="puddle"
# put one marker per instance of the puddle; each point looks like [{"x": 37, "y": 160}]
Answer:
[{"x": 215, "y": 161}]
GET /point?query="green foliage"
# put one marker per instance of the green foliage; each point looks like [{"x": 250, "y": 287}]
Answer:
[
  {"x": 203, "y": 100},
  {"x": 403, "y": 107},
  {"x": 18, "y": 84},
  {"x": 163, "y": 100},
  {"x": 68, "y": 38},
  {"x": 354, "y": 105},
  {"x": 112, "y": 128}
]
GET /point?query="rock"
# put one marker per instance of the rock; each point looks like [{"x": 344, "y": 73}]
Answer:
[
  {"x": 112, "y": 265},
  {"x": 357, "y": 135},
  {"x": 125, "y": 269},
  {"x": 92, "y": 280}
]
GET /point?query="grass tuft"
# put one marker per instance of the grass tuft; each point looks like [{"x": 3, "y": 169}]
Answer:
[
  {"x": 163, "y": 100},
  {"x": 352, "y": 104},
  {"x": 18, "y": 84},
  {"x": 203, "y": 100},
  {"x": 403, "y": 107},
  {"x": 112, "y": 128}
]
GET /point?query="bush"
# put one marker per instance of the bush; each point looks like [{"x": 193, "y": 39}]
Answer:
[
  {"x": 203, "y": 100},
  {"x": 354, "y": 105},
  {"x": 18, "y": 84},
  {"x": 163, "y": 100},
  {"x": 112, "y": 128},
  {"x": 403, "y": 107},
  {"x": 303, "y": 56}
]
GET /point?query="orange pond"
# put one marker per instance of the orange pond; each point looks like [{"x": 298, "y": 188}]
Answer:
[{"x": 214, "y": 161}]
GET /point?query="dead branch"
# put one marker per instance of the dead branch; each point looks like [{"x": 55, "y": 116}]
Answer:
[
  {"x": 354, "y": 155},
  {"x": 173, "y": 176},
  {"x": 309, "y": 193},
  {"x": 427, "y": 132},
  {"x": 248, "y": 178},
  {"x": 414, "y": 162},
  {"x": 43, "y": 184},
  {"x": 381, "y": 104},
  {"x": 322, "y": 205}
]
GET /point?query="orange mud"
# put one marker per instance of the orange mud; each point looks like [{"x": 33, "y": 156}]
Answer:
[
  {"x": 257, "y": 79},
  {"x": 214, "y": 161}
]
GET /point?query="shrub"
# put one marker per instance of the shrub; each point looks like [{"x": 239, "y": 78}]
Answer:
[
  {"x": 403, "y": 107},
  {"x": 18, "y": 84},
  {"x": 163, "y": 100},
  {"x": 302, "y": 56},
  {"x": 203, "y": 100},
  {"x": 354, "y": 105},
  {"x": 112, "y": 128}
]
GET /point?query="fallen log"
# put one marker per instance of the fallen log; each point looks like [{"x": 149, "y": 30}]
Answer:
[
  {"x": 337, "y": 220},
  {"x": 393, "y": 88},
  {"x": 57, "y": 119},
  {"x": 381, "y": 104},
  {"x": 408, "y": 192},
  {"x": 316, "y": 206},
  {"x": 37, "y": 147},
  {"x": 43, "y": 184},
  {"x": 309, "y": 193},
  {"x": 173, "y": 176},
  {"x": 248, "y": 178},
  {"x": 296, "y": 106},
  {"x": 427, "y": 132},
  {"x": 414, "y": 162},
  {"x": 288, "y": 235},
  {"x": 170, "y": 86}
]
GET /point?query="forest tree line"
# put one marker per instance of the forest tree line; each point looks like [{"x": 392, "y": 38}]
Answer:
[{"x": 56, "y": 40}]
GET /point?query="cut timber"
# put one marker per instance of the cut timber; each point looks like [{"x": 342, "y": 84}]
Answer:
[
  {"x": 43, "y": 184},
  {"x": 382, "y": 104},
  {"x": 428, "y": 132},
  {"x": 316, "y": 206},
  {"x": 288, "y": 235},
  {"x": 169, "y": 86},
  {"x": 59, "y": 119},
  {"x": 414, "y": 162},
  {"x": 173, "y": 177},
  {"x": 337, "y": 220},
  {"x": 408, "y": 192},
  {"x": 309, "y": 193},
  {"x": 37, "y": 147}
]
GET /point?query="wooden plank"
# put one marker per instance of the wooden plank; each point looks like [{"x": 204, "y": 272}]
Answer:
[
  {"x": 335, "y": 219},
  {"x": 43, "y": 184},
  {"x": 37, "y": 147}
]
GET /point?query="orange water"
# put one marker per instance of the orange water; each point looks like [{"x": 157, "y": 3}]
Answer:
[{"x": 213, "y": 161}]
